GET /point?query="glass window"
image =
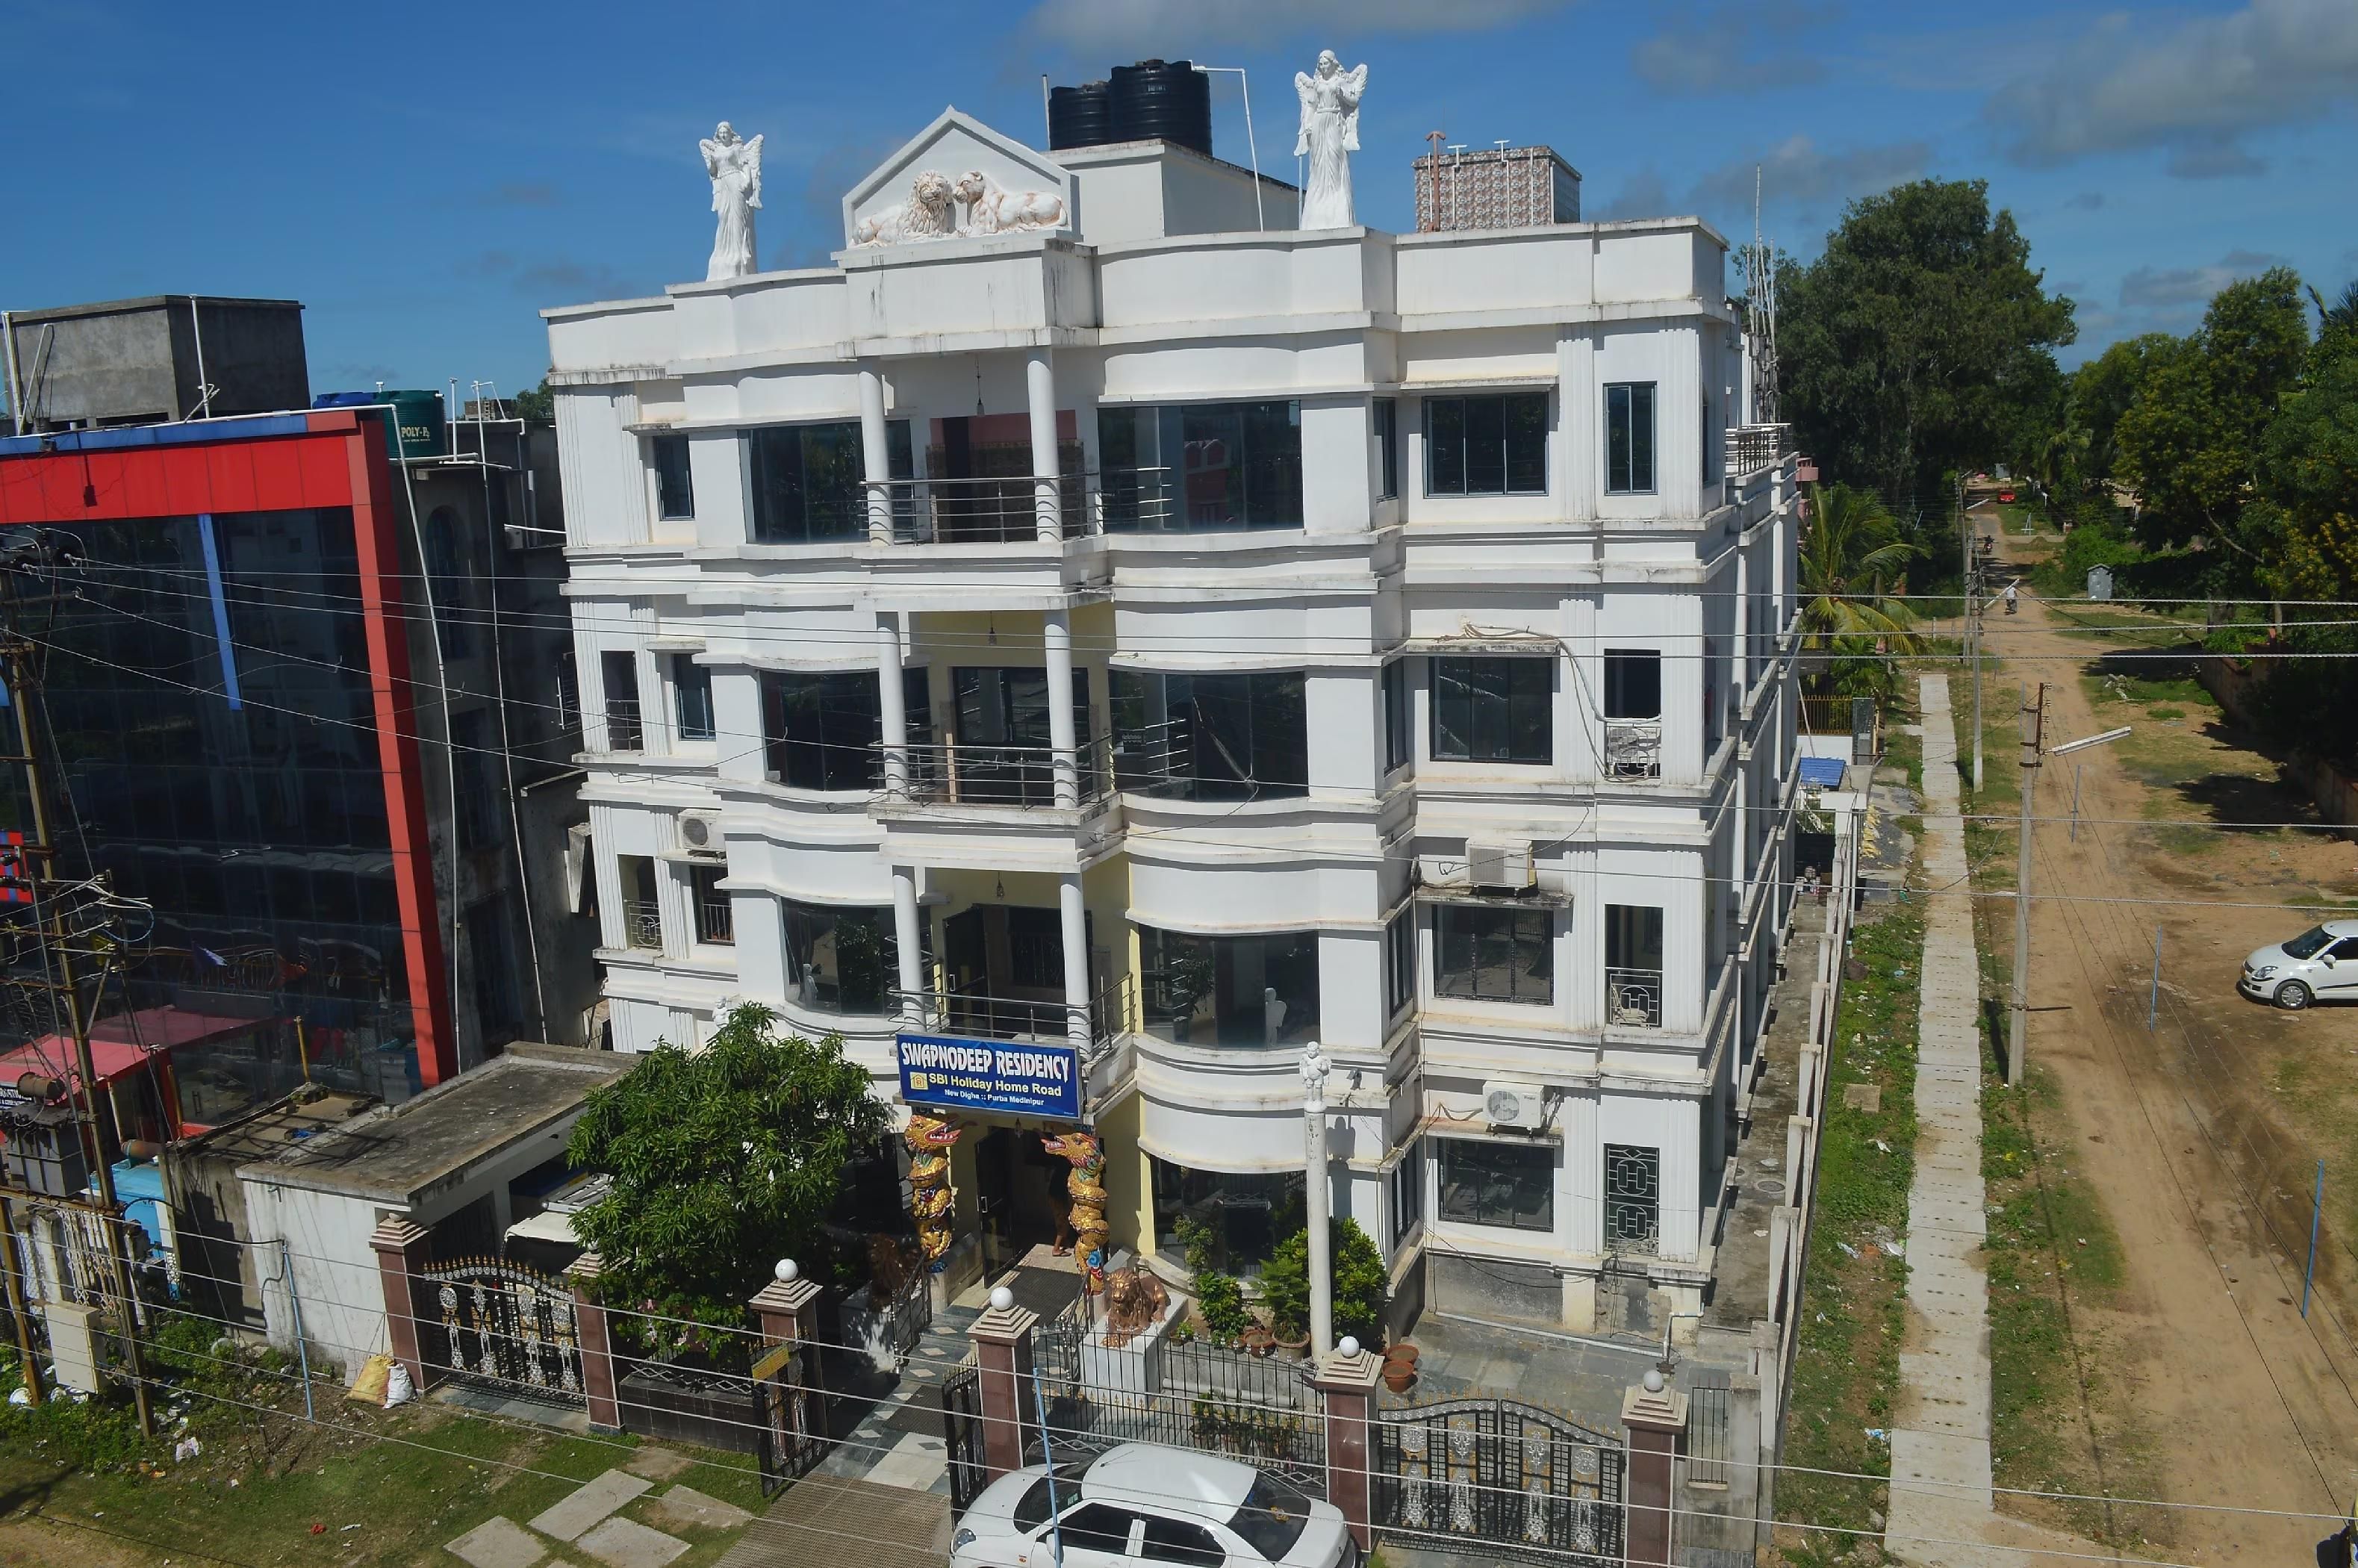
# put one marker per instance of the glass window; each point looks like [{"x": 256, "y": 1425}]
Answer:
[
  {"x": 620, "y": 669},
  {"x": 807, "y": 482},
  {"x": 1629, "y": 437},
  {"x": 1215, "y": 1220},
  {"x": 841, "y": 959},
  {"x": 1399, "y": 963},
  {"x": 1489, "y": 1182},
  {"x": 2308, "y": 943},
  {"x": 1486, "y": 445},
  {"x": 691, "y": 685},
  {"x": 715, "y": 916},
  {"x": 1230, "y": 991},
  {"x": 1408, "y": 1191},
  {"x": 1633, "y": 964},
  {"x": 1176, "y": 1541},
  {"x": 821, "y": 731},
  {"x": 675, "y": 495},
  {"x": 1400, "y": 716},
  {"x": 452, "y": 581},
  {"x": 1494, "y": 953},
  {"x": 1201, "y": 737},
  {"x": 642, "y": 913},
  {"x": 1201, "y": 467},
  {"x": 1387, "y": 421},
  {"x": 1494, "y": 710},
  {"x": 1097, "y": 1527},
  {"x": 1031, "y": 1509},
  {"x": 1633, "y": 682},
  {"x": 1272, "y": 1518}
]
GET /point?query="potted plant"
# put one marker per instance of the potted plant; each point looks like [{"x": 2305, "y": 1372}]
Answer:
[
  {"x": 1359, "y": 1285},
  {"x": 1220, "y": 1303},
  {"x": 1259, "y": 1339}
]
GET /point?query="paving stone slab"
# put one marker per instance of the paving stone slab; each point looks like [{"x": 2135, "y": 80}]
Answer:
[
  {"x": 625, "y": 1543},
  {"x": 497, "y": 1542},
  {"x": 568, "y": 1520},
  {"x": 685, "y": 1505}
]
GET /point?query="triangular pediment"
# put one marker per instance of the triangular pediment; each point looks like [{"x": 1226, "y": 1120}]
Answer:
[{"x": 986, "y": 184}]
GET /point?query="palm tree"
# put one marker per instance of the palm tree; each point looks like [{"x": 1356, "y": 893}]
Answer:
[{"x": 1852, "y": 550}]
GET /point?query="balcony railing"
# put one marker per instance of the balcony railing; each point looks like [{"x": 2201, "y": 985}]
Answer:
[
  {"x": 970, "y": 1011},
  {"x": 623, "y": 730},
  {"x": 1633, "y": 748},
  {"x": 1633, "y": 998},
  {"x": 642, "y": 923},
  {"x": 1003, "y": 509},
  {"x": 1751, "y": 448},
  {"x": 715, "y": 921},
  {"x": 955, "y": 773}
]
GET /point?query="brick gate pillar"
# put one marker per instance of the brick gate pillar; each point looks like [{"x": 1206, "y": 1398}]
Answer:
[
  {"x": 1002, "y": 1350},
  {"x": 1347, "y": 1381},
  {"x": 590, "y": 1335},
  {"x": 402, "y": 1253},
  {"x": 1656, "y": 1416},
  {"x": 787, "y": 1308}
]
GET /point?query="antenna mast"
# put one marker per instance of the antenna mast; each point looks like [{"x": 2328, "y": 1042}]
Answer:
[{"x": 1761, "y": 315}]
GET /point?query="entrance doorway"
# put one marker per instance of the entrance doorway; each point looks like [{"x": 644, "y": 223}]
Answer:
[
  {"x": 1019, "y": 1195},
  {"x": 1005, "y": 968}
]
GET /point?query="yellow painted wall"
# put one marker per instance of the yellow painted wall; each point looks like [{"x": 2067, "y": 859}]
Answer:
[{"x": 1129, "y": 1196}]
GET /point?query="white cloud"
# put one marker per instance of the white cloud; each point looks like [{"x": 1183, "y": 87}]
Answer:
[
  {"x": 1730, "y": 47},
  {"x": 1642, "y": 194},
  {"x": 1797, "y": 172},
  {"x": 1117, "y": 28},
  {"x": 2173, "y": 288},
  {"x": 2194, "y": 89}
]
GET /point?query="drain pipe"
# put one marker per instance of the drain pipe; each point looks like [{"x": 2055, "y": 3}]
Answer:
[{"x": 295, "y": 1306}]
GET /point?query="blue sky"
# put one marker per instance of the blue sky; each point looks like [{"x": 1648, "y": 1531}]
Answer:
[{"x": 425, "y": 178}]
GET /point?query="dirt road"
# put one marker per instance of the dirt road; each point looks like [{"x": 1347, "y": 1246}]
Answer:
[{"x": 2248, "y": 1404}]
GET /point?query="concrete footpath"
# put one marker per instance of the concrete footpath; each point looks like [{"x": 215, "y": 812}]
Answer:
[{"x": 1942, "y": 1507}]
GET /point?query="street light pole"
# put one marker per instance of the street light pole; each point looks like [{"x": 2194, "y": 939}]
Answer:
[
  {"x": 1321, "y": 1266},
  {"x": 2031, "y": 715}
]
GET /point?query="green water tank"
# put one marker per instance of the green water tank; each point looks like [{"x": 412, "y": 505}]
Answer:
[{"x": 418, "y": 418}]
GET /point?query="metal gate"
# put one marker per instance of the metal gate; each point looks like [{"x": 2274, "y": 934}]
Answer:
[
  {"x": 962, "y": 1435},
  {"x": 1520, "y": 1480},
  {"x": 790, "y": 1410},
  {"x": 503, "y": 1324}
]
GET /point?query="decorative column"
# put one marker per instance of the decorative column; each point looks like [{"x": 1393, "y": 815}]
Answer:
[
  {"x": 1657, "y": 1419},
  {"x": 909, "y": 951},
  {"x": 892, "y": 705},
  {"x": 1346, "y": 1381},
  {"x": 1319, "y": 1196},
  {"x": 402, "y": 1254},
  {"x": 1002, "y": 1349},
  {"x": 1040, "y": 402},
  {"x": 1074, "y": 928},
  {"x": 875, "y": 457},
  {"x": 1063, "y": 738},
  {"x": 591, "y": 1337}
]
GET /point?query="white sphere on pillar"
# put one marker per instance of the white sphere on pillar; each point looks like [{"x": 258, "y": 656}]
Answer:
[
  {"x": 1347, "y": 1345},
  {"x": 1001, "y": 1299},
  {"x": 787, "y": 1270}
]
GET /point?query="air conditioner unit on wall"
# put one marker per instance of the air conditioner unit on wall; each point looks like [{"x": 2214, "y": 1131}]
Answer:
[
  {"x": 700, "y": 833},
  {"x": 1498, "y": 865},
  {"x": 1507, "y": 1103}
]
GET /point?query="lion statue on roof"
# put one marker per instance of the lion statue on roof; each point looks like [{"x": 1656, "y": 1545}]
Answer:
[{"x": 930, "y": 213}]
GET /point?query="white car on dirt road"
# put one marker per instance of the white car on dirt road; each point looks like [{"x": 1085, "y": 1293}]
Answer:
[
  {"x": 2318, "y": 965},
  {"x": 1141, "y": 1502}
]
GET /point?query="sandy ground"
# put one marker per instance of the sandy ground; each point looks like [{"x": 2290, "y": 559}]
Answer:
[{"x": 2249, "y": 1405}]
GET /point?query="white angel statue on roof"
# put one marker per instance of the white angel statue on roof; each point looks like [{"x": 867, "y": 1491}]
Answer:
[
  {"x": 734, "y": 167},
  {"x": 1330, "y": 133}
]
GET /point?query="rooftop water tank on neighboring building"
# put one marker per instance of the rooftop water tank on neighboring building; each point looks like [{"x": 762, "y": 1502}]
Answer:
[
  {"x": 1153, "y": 100},
  {"x": 1494, "y": 187}
]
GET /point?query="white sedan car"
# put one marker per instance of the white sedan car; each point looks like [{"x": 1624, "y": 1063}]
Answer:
[
  {"x": 2318, "y": 965},
  {"x": 1143, "y": 1503}
]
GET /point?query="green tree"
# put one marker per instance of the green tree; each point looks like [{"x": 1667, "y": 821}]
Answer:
[
  {"x": 2102, "y": 391},
  {"x": 2337, "y": 324},
  {"x": 1920, "y": 343},
  {"x": 2308, "y": 473},
  {"x": 1851, "y": 561},
  {"x": 1359, "y": 1283},
  {"x": 537, "y": 407},
  {"x": 723, "y": 1160},
  {"x": 2191, "y": 440}
]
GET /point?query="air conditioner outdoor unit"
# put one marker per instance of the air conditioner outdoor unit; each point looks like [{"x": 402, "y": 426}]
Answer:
[
  {"x": 1505, "y": 1104},
  {"x": 1498, "y": 865},
  {"x": 699, "y": 832}
]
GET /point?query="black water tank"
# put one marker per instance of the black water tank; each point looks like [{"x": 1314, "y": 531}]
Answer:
[
  {"x": 1079, "y": 116},
  {"x": 1171, "y": 100}
]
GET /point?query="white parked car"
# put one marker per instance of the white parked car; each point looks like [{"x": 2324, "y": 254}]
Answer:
[
  {"x": 2318, "y": 965},
  {"x": 1145, "y": 1503}
]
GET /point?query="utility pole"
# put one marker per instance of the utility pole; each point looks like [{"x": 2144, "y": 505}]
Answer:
[
  {"x": 1321, "y": 1265},
  {"x": 61, "y": 944},
  {"x": 1974, "y": 587},
  {"x": 2032, "y": 714}
]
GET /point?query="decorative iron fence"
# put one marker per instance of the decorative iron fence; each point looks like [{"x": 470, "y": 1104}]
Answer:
[
  {"x": 643, "y": 924},
  {"x": 962, "y": 1435},
  {"x": 790, "y": 1411},
  {"x": 1633, "y": 748},
  {"x": 1520, "y": 1480},
  {"x": 505, "y": 1325}
]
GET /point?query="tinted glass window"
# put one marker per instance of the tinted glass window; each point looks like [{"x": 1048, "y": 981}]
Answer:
[
  {"x": 2307, "y": 944},
  {"x": 1176, "y": 1540},
  {"x": 807, "y": 482},
  {"x": 1494, "y": 710},
  {"x": 1508, "y": 1185},
  {"x": 1494, "y": 953},
  {"x": 1400, "y": 716},
  {"x": 1387, "y": 421},
  {"x": 841, "y": 959},
  {"x": 692, "y": 693},
  {"x": 821, "y": 731},
  {"x": 675, "y": 494},
  {"x": 1228, "y": 737},
  {"x": 1097, "y": 1527},
  {"x": 1487, "y": 446},
  {"x": 1202, "y": 467},
  {"x": 1633, "y": 682},
  {"x": 1272, "y": 1518},
  {"x": 1230, "y": 991},
  {"x": 1629, "y": 436}
]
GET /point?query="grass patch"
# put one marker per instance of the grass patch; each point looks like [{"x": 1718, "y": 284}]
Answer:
[
  {"x": 2059, "y": 1421},
  {"x": 409, "y": 1479},
  {"x": 1854, "y": 1313}
]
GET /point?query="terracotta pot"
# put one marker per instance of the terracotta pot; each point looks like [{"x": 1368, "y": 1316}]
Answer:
[
  {"x": 1293, "y": 1346},
  {"x": 1404, "y": 1351},
  {"x": 1260, "y": 1341},
  {"x": 1398, "y": 1375}
]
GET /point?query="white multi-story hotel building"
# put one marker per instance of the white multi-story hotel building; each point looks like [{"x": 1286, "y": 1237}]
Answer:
[{"x": 1143, "y": 629}]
